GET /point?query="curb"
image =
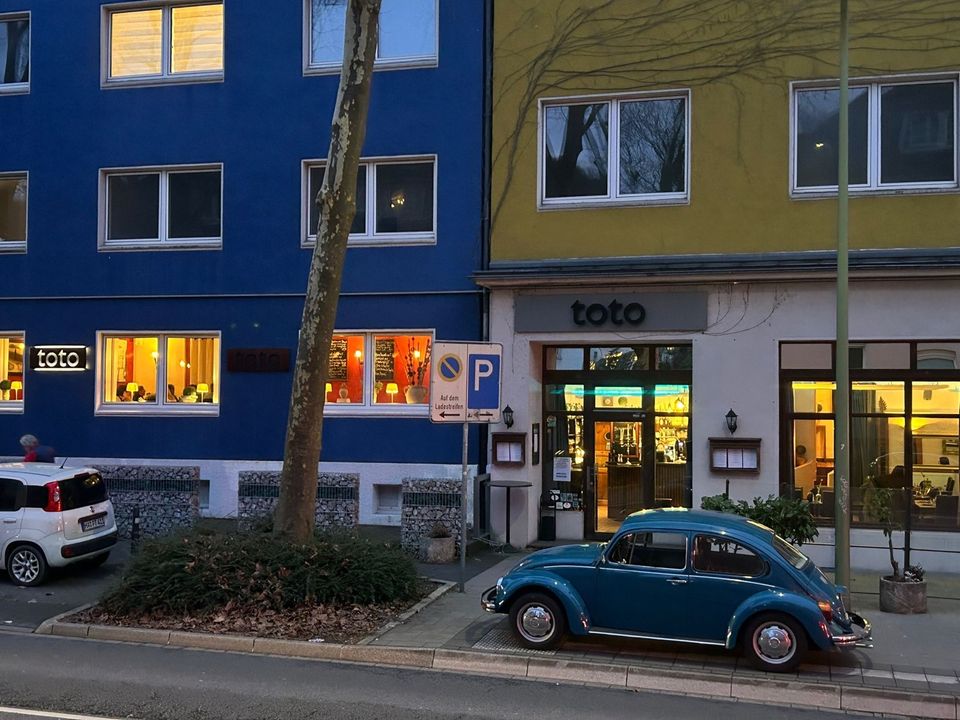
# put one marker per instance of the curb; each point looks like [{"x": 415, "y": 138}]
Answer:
[{"x": 703, "y": 684}]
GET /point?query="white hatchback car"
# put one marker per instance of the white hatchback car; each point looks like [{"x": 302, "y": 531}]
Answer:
[{"x": 51, "y": 517}]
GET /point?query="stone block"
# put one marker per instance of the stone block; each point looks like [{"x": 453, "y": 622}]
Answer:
[
  {"x": 207, "y": 641},
  {"x": 575, "y": 671},
  {"x": 891, "y": 702},
  {"x": 684, "y": 683},
  {"x": 480, "y": 663},
  {"x": 785, "y": 692}
]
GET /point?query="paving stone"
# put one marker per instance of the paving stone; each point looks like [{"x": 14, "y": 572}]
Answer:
[{"x": 900, "y": 703}]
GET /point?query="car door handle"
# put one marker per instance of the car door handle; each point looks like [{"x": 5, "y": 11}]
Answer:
[
  {"x": 678, "y": 581},
  {"x": 9, "y": 522}
]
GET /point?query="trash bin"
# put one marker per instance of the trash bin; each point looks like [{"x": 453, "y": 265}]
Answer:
[{"x": 548, "y": 515}]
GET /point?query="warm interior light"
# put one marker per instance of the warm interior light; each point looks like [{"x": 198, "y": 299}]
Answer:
[
  {"x": 132, "y": 387},
  {"x": 397, "y": 199},
  {"x": 16, "y": 385},
  {"x": 819, "y": 145},
  {"x": 416, "y": 354},
  {"x": 328, "y": 389},
  {"x": 155, "y": 355},
  {"x": 392, "y": 389},
  {"x": 203, "y": 388},
  {"x": 680, "y": 405},
  {"x": 358, "y": 354}
]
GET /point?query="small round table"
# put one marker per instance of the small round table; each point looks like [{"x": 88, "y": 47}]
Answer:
[{"x": 509, "y": 485}]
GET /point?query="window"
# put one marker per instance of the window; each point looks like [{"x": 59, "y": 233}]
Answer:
[
  {"x": 11, "y": 495},
  {"x": 14, "y": 53},
  {"x": 903, "y": 135},
  {"x": 176, "y": 207},
  {"x": 408, "y": 34},
  {"x": 723, "y": 556},
  {"x": 11, "y": 372},
  {"x": 397, "y": 380},
  {"x": 396, "y": 202},
  {"x": 171, "y": 42},
  {"x": 651, "y": 549},
  {"x": 622, "y": 150},
  {"x": 13, "y": 212},
  {"x": 160, "y": 373}
]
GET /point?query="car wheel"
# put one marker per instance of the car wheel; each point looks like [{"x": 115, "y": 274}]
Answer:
[
  {"x": 775, "y": 643},
  {"x": 26, "y": 565},
  {"x": 538, "y": 621}
]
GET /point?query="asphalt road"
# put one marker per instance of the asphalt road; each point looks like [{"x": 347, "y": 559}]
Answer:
[{"x": 153, "y": 683}]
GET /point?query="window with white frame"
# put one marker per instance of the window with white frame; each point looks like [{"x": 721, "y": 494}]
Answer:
[
  {"x": 385, "y": 371},
  {"x": 408, "y": 34},
  {"x": 903, "y": 135},
  {"x": 623, "y": 150},
  {"x": 174, "y": 41},
  {"x": 161, "y": 207},
  {"x": 396, "y": 201},
  {"x": 176, "y": 372},
  {"x": 11, "y": 371},
  {"x": 13, "y": 212},
  {"x": 14, "y": 52}
]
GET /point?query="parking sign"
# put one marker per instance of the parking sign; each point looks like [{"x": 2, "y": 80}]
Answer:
[{"x": 465, "y": 382}]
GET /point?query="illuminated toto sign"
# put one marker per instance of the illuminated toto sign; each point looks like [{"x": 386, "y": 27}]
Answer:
[
  {"x": 614, "y": 312},
  {"x": 58, "y": 358}
]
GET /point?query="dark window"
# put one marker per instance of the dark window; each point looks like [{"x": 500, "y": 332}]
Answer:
[
  {"x": 14, "y": 51},
  {"x": 37, "y": 496},
  {"x": 917, "y": 133},
  {"x": 82, "y": 490},
  {"x": 651, "y": 549},
  {"x": 404, "y": 197},
  {"x": 653, "y": 146},
  {"x": 359, "y": 226},
  {"x": 721, "y": 555},
  {"x": 134, "y": 207},
  {"x": 11, "y": 495},
  {"x": 619, "y": 358},
  {"x": 676, "y": 357},
  {"x": 13, "y": 208},
  {"x": 576, "y": 150},
  {"x": 194, "y": 204},
  {"x": 818, "y": 132}
]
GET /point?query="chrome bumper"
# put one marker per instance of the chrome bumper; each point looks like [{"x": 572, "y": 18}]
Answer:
[
  {"x": 488, "y": 601},
  {"x": 860, "y": 635}
]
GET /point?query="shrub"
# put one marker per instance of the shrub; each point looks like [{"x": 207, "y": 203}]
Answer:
[
  {"x": 200, "y": 571},
  {"x": 789, "y": 518}
]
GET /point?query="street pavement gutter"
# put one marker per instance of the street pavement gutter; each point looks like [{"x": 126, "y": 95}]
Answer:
[{"x": 755, "y": 688}]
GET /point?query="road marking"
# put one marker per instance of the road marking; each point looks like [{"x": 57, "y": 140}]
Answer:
[{"x": 43, "y": 714}]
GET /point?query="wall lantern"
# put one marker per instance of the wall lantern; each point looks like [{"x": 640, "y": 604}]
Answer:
[
  {"x": 508, "y": 416},
  {"x": 731, "y": 418}
]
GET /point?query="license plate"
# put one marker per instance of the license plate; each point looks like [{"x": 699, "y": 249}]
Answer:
[{"x": 93, "y": 522}]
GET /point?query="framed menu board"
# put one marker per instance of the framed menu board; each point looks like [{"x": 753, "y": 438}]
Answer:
[
  {"x": 338, "y": 359},
  {"x": 383, "y": 359}
]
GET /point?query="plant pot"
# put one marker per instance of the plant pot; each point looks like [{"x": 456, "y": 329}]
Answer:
[
  {"x": 415, "y": 394},
  {"x": 901, "y": 597},
  {"x": 438, "y": 550}
]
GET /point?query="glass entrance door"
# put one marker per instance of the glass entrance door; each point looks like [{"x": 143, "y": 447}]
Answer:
[{"x": 619, "y": 471}]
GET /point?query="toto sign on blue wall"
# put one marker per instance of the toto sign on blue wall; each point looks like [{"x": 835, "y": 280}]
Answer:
[{"x": 58, "y": 358}]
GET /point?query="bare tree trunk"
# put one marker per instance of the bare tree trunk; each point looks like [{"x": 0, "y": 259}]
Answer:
[{"x": 294, "y": 516}]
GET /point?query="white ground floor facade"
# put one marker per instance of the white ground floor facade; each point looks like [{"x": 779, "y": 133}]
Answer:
[{"x": 736, "y": 333}]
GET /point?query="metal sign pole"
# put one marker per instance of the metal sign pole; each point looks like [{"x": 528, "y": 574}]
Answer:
[{"x": 464, "y": 479}]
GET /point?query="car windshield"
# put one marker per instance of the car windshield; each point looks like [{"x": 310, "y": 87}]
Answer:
[{"x": 789, "y": 553}]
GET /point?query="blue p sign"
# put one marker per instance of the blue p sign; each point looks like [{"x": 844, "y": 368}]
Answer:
[{"x": 483, "y": 388}]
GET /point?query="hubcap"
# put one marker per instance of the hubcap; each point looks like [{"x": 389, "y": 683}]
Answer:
[
  {"x": 536, "y": 623},
  {"x": 25, "y": 566},
  {"x": 774, "y": 643}
]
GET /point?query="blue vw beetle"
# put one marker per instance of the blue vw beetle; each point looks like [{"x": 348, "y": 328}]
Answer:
[{"x": 690, "y": 576}]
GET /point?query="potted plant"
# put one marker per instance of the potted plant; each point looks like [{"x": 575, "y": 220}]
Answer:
[
  {"x": 789, "y": 518},
  {"x": 438, "y": 546},
  {"x": 418, "y": 362},
  {"x": 904, "y": 592},
  {"x": 4, "y": 389}
]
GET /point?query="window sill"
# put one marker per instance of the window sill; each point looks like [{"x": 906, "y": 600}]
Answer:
[
  {"x": 335, "y": 68},
  {"x": 166, "y": 411},
  {"x": 831, "y": 194},
  {"x": 11, "y": 408},
  {"x": 135, "y": 82},
  {"x": 379, "y": 411},
  {"x": 15, "y": 89},
  {"x": 13, "y": 248},
  {"x": 155, "y": 246},
  {"x": 588, "y": 203},
  {"x": 398, "y": 240}
]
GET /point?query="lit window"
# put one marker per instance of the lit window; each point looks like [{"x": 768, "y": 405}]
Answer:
[
  {"x": 621, "y": 151},
  {"x": 178, "y": 206},
  {"x": 408, "y": 33},
  {"x": 15, "y": 55},
  {"x": 386, "y": 371},
  {"x": 175, "y": 372},
  {"x": 13, "y": 211},
  {"x": 395, "y": 202},
  {"x": 165, "y": 42},
  {"x": 11, "y": 372},
  {"x": 903, "y": 135}
]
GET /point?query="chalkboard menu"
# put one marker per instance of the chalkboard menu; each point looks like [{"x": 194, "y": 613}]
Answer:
[
  {"x": 338, "y": 359},
  {"x": 383, "y": 354}
]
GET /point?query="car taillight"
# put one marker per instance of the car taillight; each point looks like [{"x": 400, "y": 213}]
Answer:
[
  {"x": 53, "y": 497},
  {"x": 827, "y": 610}
]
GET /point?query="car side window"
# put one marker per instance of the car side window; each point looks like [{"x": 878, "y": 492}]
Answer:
[
  {"x": 11, "y": 495},
  {"x": 621, "y": 552},
  {"x": 660, "y": 550},
  {"x": 723, "y": 556}
]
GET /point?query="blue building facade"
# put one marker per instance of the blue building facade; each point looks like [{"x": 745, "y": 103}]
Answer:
[{"x": 157, "y": 162}]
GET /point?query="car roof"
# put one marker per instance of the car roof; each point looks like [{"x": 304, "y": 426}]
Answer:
[
  {"x": 687, "y": 519},
  {"x": 34, "y": 473}
]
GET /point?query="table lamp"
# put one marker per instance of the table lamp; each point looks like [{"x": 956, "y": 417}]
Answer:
[
  {"x": 328, "y": 388},
  {"x": 201, "y": 389},
  {"x": 392, "y": 390},
  {"x": 16, "y": 386}
]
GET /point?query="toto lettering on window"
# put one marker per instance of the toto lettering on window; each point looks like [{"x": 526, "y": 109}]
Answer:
[
  {"x": 58, "y": 358},
  {"x": 614, "y": 312}
]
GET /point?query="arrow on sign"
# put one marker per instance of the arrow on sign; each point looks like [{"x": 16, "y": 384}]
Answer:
[
  {"x": 483, "y": 414},
  {"x": 445, "y": 414}
]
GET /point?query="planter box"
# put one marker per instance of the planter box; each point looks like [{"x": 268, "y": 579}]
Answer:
[
  {"x": 903, "y": 597},
  {"x": 438, "y": 550}
]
